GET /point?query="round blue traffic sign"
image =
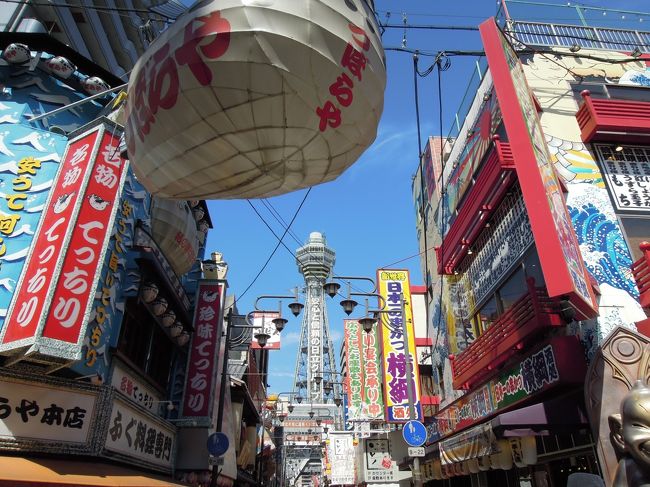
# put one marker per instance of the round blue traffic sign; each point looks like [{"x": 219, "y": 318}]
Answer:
[
  {"x": 414, "y": 433},
  {"x": 217, "y": 444}
]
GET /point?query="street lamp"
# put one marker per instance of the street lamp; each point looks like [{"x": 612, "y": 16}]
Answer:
[{"x": 367, "y": 323}]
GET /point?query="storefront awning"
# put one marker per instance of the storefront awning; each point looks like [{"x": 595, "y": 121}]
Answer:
[
  {"x": 23, "y": 472},
  {"x": 555, "y": 415}
]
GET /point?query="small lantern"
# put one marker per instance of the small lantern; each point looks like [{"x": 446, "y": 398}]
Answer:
[
  {"x": 93, "y": 85},
  {"x": 16, "y": 53},
  {"x": 176, "y": 330},
  {"x": 183, "y": 338},
  {"x": 198, "y": 213},
  {"x": 60, "y": 67},
  {"x": 168, "y": 318},
  {"x": 159, "y": 306},
  {"x": 149, "y": 292}
]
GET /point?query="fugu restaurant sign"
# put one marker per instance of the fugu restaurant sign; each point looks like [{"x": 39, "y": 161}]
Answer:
[{"x": 50, "y": 304}]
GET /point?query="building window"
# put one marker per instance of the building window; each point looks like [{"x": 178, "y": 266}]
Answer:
[
  {"x": 511, "y": 291},
  {"x": 145, "y": 345}
]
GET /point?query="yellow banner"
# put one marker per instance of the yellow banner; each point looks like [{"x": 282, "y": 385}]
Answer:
[{"x": 397, "y": 318}]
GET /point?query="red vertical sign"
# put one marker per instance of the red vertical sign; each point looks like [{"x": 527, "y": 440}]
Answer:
[
  {"x": 555, "y": 239},
  {"x": 201, "y": 369},
  {"x": 79, "y": 273},
  {"x": 27, "y": 311}
]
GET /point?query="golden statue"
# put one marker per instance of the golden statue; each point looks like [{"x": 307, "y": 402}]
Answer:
[{"x": 630, "y": 435}]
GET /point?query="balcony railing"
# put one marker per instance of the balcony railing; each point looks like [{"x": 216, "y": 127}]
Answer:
[
  {"x": 641, "y": 272},
  {"x": 598, "y": 118},
  {"x": 533, "y": 313},
  {"x": 480, "y": 201}
]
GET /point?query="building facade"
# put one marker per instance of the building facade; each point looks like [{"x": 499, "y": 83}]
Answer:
[
  {"x": 112, "y": 324},
  {"x": 536, "y": 205}
]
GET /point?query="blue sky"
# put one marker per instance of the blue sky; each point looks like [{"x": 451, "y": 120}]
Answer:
[{"x": 367, "y": 213}]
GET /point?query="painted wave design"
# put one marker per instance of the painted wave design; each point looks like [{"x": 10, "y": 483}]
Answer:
[{"x": 604, "y": 249}]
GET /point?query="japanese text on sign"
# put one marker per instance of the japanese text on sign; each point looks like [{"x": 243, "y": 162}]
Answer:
[
  {"x": 21, "y": 184},
  {"x": 44, "y": 413},
  {"x": 131, "y": 433},
  {"x": 199, "y": 383},
  {"x": 628, "y": 175},
  {"x": 342, "y": 89},
  {"x": 72, "y": 295},
  {"x": 395, "y": 290},
  {"x": 41, "y": 270}
]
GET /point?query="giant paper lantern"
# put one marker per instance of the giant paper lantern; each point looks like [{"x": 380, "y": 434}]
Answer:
[{"x": 255, "y": 98}]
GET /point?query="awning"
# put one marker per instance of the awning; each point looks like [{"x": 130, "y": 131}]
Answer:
[
  {"x": 23, "y": 472},
  {"x": 475, "y": 442},
  {"x": 555, "y": 415}
]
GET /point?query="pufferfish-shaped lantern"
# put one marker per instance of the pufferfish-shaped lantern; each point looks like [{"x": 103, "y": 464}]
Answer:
[
  {"x": 16, "y": 53},
  {"x": 94, "y": 85},
  {"x": 255, "y": 98},
  {"x": 60, "y": 67}
]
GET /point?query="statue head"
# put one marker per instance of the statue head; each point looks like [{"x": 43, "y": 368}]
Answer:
[{"x": 630, "y": 430}]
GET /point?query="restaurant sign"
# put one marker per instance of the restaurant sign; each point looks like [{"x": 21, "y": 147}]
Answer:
[
  {"x": 559, "y": 361},
  {"x": 49, "y": 414},
  {"x": 139, "y": 436}
]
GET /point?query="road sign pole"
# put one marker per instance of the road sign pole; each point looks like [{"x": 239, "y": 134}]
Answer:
[{"x": 410, "y": 385}]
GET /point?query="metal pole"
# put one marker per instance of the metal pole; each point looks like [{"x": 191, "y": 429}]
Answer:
[
  {"x": 417, "y": 478},
  {"x": 77, "y": 103}
]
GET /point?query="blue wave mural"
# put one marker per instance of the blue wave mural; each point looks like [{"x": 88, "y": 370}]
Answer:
[{"x": 603, "y": 238}]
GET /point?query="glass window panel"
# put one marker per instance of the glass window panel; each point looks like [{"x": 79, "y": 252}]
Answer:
[
  {"x": 532, "y": 268},
  {"x": 488, "y": 313},
  {"x": 513, "y": 289}
]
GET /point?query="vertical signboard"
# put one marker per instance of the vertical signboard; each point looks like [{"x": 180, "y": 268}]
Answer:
[
  {"x": 28, "y": 172},
  {"x": 373, "y": 403},
  {"x": 556, "y": 242},
  {"x": 342, "y": 460},
  {"x": 263, "y": 320},
  {"x": 202, "y": 367},
  {"x": 73, "y": 296},
  {"x": 27, "y": 312},
  {"x": 354, "y": 379},
  {"x": 394, "y": 287},
  {"x": 315, "y": 339}
]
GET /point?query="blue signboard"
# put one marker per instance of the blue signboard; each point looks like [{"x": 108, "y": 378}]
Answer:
[
  {"x": 414, "y": 433},
  {"x": 217, "y": 444}
]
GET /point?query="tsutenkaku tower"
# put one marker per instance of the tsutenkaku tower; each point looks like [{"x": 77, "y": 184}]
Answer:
[{"x": 315, "y": 356}]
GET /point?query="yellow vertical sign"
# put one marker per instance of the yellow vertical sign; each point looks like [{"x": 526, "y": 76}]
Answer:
[{"x": 395, "y": 289}]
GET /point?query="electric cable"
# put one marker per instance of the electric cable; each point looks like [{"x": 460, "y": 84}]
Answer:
[{"x": 274, "y": 250}]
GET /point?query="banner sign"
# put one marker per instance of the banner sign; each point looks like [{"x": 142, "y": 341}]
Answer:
[
  {"x": 555, "y": 238},
  {"x": 373, "y": 402},
  {"x": 394, "y": 287},
  {"x": 73, "y": 296},
  {"x": 354, "y": 379},
  {"x": 33, "y": 291},
  {"x": 202, "y": 367},
  {"x": 560, "y": 361},
  {"x": 264, "y": 320}
]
